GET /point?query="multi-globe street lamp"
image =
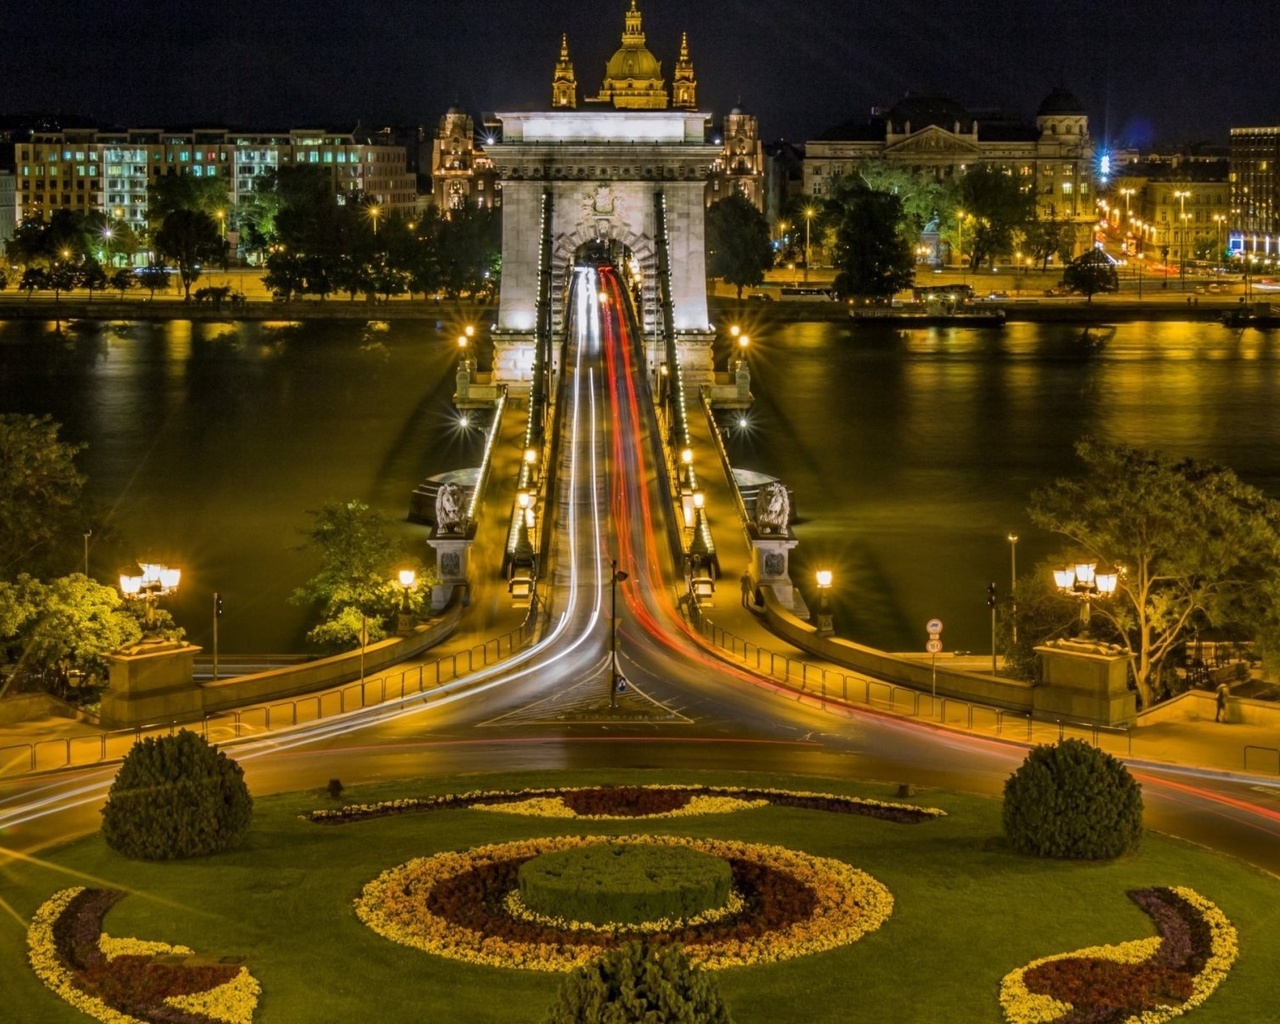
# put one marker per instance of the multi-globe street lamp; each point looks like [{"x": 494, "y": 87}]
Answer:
[
  {"x": 1083, "y": 582},
  {"x": 156, "y": 581}
]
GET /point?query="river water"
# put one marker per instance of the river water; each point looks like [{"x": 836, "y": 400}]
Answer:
[{"x": 911, "y": 453}]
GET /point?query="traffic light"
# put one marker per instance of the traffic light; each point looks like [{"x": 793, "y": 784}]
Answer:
[
  {"x": 217, "y": 604},
  {"x": 991, "y": 595}
]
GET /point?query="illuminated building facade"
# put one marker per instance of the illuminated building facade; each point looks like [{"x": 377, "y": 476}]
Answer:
[
  {"x": 461, "y": 173},
  {"x": 108, "y": 171},
  {"x": 1255, "y": 191},
  {"x": 1054, "y": 157}
]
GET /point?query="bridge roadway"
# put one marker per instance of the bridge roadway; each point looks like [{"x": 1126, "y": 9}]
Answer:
[{"x": 548, "y": 707}]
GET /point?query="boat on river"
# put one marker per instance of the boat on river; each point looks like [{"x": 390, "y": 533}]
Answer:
[{"x": 919, "y": 315}]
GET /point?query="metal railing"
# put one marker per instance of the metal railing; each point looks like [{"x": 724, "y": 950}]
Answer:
[
  {"x": 101, "y": 748},
  {"x": 825, "y": 684}
]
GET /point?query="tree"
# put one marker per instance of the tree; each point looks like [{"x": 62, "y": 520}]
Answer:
[
  {"x": 189, "y": 238},
  {"x": 871, "y": 256},
  {"x": 122, "y": 280},
  {"x": 185, "y": 192},
  {"x": 738, "y": 244},
  {"x": 1091, "y": 272},
  {"x": 34, "y": 279},
  {"x": 69, "y": 624},
  {"x": 152, "y": 278},
  {"x": 40, "y": 504},
  {"x": 93, "y": 278},
  {"x": 639, "y": 982},
  {"x": 1044, "y": 238},
  {"x": 995, "y": 206},
  {"x": 1186, "y": 538},
  {"x": 176, "y": 796},
  {"x": 62, "y": 275},
  {"x": 358, "y": 559},
  {"x": 926, "y": 199}
]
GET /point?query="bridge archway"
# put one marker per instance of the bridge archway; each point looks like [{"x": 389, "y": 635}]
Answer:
[{"x": 634, "y": 178}]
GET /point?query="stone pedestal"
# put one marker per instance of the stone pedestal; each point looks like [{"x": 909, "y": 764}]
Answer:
[
  {"x": 693, "y": 349},
  {"x": 513, "y": 357},
  {"x": 453, "y": 557},
  {"x": 769, "y": 567},
  {"x": 151, "y": 682},
  {"x": 1085, "y": 681}
]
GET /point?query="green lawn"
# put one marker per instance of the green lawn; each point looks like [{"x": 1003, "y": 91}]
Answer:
[{"x": 967, "y": 910}]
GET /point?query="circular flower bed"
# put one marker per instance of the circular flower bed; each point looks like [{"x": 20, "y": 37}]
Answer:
[
  {"x": 607, "y": 803},
  {"x": 455, "y": 905}
]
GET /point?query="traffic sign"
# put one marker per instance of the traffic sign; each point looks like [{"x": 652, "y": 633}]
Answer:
[
  {"x": 934, "y": 626},
  {"x": 933, "y": 646}
]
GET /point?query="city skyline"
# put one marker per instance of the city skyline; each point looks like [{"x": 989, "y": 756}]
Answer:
[{"x": 1142, "y": 80}]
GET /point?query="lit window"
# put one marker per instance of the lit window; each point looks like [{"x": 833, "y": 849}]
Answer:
[{"x": 1066, "y": 188}]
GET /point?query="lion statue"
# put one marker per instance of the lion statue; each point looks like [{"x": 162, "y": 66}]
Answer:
[
  {"x": 449, "y": 514},
  {"x": 773, "y": 508}
]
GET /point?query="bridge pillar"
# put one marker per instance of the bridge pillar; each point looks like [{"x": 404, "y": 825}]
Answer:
[
  {"x": 453, "y": 563},
  {"x": 769, "y": 568}
]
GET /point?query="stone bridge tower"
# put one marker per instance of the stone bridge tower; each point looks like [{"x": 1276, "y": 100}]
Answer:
[{"x": 626, "y": 171}]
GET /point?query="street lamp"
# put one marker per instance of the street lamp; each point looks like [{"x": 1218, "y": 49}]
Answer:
[
  {"x": 809, "y": 211},
  {"x": 616, "y": 576},
  {"x": 107, "y": 234},
  {"x": 1218, "y": 219},
  {"x": 1083, "y": 582},
  {"x": 156, "y": 581},
  {"x": 1013, "y": 585},
  {"x": 408, "y": 578},
  {"x": 824, "y": 627},
  {"x": 1182, "y": 195}
]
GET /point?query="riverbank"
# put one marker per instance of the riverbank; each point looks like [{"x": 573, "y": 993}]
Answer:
[
  {"x": 1103, "y": 310},
  {"x": 160, "y": 309}
]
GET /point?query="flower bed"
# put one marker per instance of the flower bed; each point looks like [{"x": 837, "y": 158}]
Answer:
[
  {"x": 630, "y": 802},
  {"x": 1146, "y": 981},
  {"x": 116, "y": 981},
  {"x": 455, "y": 905}
]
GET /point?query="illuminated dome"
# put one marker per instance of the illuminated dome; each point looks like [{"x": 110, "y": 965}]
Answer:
[
  {"x": 634, "y": 62},
  {"x": 633, "y": 76}
]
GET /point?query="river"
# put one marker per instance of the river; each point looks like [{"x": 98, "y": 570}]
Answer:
[{"x": 912, "y": 453}]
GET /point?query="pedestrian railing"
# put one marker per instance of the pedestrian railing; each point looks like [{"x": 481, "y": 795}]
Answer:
[
  {"x": 835, "y": 686},
  {"x": 100, "y": 748}
]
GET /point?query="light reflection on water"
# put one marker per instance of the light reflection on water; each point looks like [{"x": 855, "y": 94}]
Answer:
[
  {"x": 207, "y": 443},
  {"x": 911, "y": 453}
]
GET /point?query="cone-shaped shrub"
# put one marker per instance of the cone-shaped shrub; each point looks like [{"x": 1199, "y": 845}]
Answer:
[
  {"x": 639, "y": 982},
  {"x": 1072, "y": 800},
  {"x": 176, "y": 796}
]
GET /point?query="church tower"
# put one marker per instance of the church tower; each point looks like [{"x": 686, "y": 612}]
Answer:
[
  {"x": 564, "y": 86},
  {"x": 633, "y": 76},
  {"x": 684, "y": 87}
]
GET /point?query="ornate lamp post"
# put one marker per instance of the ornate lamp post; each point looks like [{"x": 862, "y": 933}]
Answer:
[
  {"x": 1182, "y": 195},
  {"x": 1084, "y": 583},
  {"x": 156, "y": 581},
  {"x": 809, "y": 212},
  {"x": 1013, "y": 586},
  {"x": 824, "y": 627},
  {"x": 408, "y": 578}
]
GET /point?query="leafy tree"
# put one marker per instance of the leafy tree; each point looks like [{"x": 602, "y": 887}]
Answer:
[
  {"x": 1043, "y": 238},
  {"x": 69, "y": 624},
  {"x": 926, "y": 199},
  {"x": 1072, "y": 800},
  {"x": 4, "y": 280},
  {"x": 185, "y": 192},
  {"x": 996, "y": 206},
  {"x": 1187, "y": 539},
  {"x": 93, "y": 278},
  {"x": 122, "y": 280},
  {"x": 1091, "y": 272},
  {"x": 871, "y": 256},
  {"x": 189, "y": 238},
  {"x": 63, "y": 275},
  {"x": 286, "y": 273},
  {"x": 638, "y": 981},
  {"x": 738, "y": 245},
  {"x": 40, "y": 506},
  {"x": 176, "y": 796},
  {"x": 356, "y": 582},
  {"x": 469, "y": 247},
  {"x": 34, "y": 279},
  {"x": 153, "y": 278}
]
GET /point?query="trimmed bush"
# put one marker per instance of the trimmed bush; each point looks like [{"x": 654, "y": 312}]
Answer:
[
  {"x": 1072, "y": 800},
  {"x": 639, "y": 982},
  {"x": 176, "y": 796},
  {"x": 624, "y": 883}
]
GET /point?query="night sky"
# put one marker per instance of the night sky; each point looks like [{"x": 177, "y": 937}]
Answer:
[{"x": 1148, "y": 72}]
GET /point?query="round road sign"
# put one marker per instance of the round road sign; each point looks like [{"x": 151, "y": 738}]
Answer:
[
  {"x": 934, "y": 626},
  {"x": 933, "y": 646}
]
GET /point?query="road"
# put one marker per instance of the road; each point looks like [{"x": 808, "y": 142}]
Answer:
[{"x": 684, "y": 706}]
